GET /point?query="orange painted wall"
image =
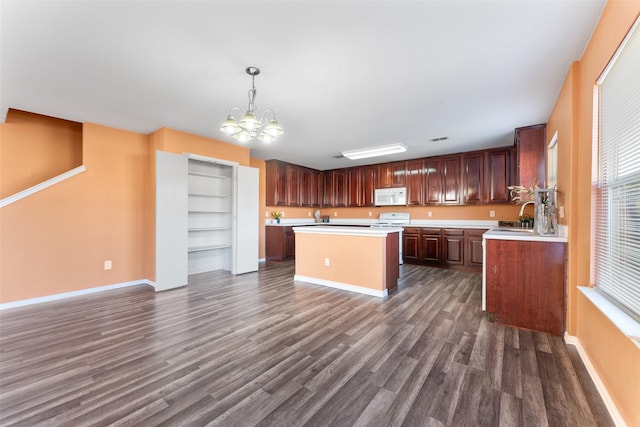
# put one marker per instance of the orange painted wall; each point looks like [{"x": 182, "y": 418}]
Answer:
[
  {"x": 615, "y": 357},
  {"x": 354, "y": 260},
  {"x": 182, "y": 142},
  {"x": 58, "y": 239},
  {"x": 503, "y": 212},
  {"x": 563, "y": 120},
  {"x": 256, "y": 163},
  {"x": 35, "y": 148}
]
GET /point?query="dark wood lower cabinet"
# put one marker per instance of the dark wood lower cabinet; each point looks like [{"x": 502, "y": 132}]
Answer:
[
  {"x": 451, "y": 248},
  {"x": 411, "y": 245},
  {"x": 473, "y": 248},
  {"x": 525, "y": 284},
  {"x": 453, "y": 244},
  {"x": 431, "y": 246},
  {"x": 280, "y": 243}
]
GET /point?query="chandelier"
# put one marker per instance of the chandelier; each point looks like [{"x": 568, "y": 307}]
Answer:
[{"x": 249, "y": 127}]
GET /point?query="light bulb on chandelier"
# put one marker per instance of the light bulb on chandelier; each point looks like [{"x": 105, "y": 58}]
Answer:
[{"x": 250, "y": 127}]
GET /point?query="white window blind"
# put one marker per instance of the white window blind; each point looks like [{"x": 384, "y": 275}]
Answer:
[{"x": 616, "y": 189}]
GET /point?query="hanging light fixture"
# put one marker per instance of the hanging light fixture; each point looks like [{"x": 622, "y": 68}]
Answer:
[{"x": 249, "y": 127}]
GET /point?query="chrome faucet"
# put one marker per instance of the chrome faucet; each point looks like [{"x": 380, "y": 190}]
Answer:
[{"x": 522, "y": 208}]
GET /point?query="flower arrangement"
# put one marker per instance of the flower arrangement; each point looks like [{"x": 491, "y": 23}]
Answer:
[
  {"x": 276, "y": 215},
  {"x": 521, "y": 194}
]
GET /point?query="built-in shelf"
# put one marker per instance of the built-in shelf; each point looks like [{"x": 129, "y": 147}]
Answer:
[
  {"x": 210, "y": 211},
  {"x": 209, "y": 228},
  {"x": 208, "y": 175},
  {"x": 208, "y": 248},
  {"x": 223, "y": 196}
]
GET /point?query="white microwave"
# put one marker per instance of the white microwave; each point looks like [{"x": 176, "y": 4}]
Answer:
[{"x": 391, "y": 196}]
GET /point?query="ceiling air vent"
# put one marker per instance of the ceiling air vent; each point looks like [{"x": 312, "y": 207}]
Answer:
[{"x": 442, "y": 138}]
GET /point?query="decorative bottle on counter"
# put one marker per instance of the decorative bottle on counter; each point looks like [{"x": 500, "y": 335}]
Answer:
[{"x": 545, "y": 217}]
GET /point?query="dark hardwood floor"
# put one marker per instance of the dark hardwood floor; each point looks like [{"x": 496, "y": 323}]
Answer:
[{"x": 257, "y": 349}]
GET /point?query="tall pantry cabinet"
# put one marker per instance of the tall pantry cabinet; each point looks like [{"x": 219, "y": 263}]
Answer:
[{"x": 206, "y": 217}]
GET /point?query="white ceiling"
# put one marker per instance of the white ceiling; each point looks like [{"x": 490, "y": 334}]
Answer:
[{"x": 340, "y": 75}]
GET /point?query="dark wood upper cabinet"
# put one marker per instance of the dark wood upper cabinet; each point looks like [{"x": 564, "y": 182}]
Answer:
[
  {"x": 276, "y": 172},
  {"x": 415, "y": 182},
  {"x": 316, "y": 188},
  {"x": 432, "y": 173},
  {"x": 309, "y": 187},
  {"x": 305, "y": 187},
  {"x": 368, "y": 177},
  {"x": 392, "y": 175},
  {"x": 292, "y": 185},
  {"x": 498, "y": 176},
  {"x": 473, "y": 178},
  {"x": 354, "y": 187},
  {"x": 467, "y": 178},
  {"x": 530, "y": 143},
  {"x": 327, "y": 189},
  {"x": 340, "y": 188},
  {"x": 451, "y": 180}
]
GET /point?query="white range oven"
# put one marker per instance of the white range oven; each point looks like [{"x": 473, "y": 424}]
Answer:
[{"x": 396, "y": 220}]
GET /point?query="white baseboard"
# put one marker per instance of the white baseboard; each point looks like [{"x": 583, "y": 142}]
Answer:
[
  {"x": 64, "y": 295},
  {"x": 343, "y": 286},
  {"x": 604, "y": 393}
]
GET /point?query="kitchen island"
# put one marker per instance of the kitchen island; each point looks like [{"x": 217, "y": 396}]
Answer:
[{"x": 356, "y": 259}]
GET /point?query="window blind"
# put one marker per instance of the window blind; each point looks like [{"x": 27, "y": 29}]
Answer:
[{"x": 616, "y": 189}]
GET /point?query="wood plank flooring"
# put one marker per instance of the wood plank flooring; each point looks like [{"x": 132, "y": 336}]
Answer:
[{"x": 259, "y": 350}]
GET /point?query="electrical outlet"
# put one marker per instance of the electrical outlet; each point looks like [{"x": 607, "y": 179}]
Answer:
[
  {"x": 561, "y": 211},
  {"x": 335, "y": 214},
  {"x": 492, "y": 213},
  {"x": 283, "y": 214},
  {"x": 429, "y": 214},
  {"x": 266, "y": 214},
  {"x": 326, "y": 262},
  {"x": 369, "y": 213},
  {"x": 107, "y": 264}
]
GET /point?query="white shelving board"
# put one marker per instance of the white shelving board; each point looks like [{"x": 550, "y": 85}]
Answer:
[{"x": 210, "y": 216}]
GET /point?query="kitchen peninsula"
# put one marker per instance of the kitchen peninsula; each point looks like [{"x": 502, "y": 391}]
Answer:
[
  {"x": 356, "y": 259},
  {"x": 524, "y": 279}
]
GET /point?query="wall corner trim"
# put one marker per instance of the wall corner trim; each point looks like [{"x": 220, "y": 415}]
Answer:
[
  {"x": 55, "y": 297},
  {"x": 39, "y": 187},
  {"x": 604, "y": 393}
]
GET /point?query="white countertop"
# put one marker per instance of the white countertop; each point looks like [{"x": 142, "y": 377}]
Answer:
[
  {"x": 502, "y": 234},
  {"x": 348, "y": 231},
  {"x": 454, "y": 223}
]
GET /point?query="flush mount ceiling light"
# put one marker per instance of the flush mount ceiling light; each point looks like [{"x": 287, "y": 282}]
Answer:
[
  {"x": 382, "y": 150},
  {"x": 249, "y": 127}
]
